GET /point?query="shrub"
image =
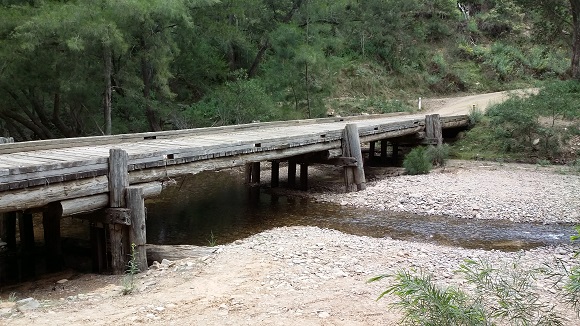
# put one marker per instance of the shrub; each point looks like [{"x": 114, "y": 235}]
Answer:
[
  {"x": 417, "y": 162},
  {"x": 424, "y": 303},
  {"x": 507, "y": 295},
  {"x": 438, "y": 154}
]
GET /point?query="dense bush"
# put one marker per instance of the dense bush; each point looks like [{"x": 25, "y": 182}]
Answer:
[{"x": 417, "y": 162}]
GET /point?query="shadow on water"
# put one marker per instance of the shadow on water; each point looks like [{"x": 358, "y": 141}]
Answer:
[{"x": 219, "y": 204}]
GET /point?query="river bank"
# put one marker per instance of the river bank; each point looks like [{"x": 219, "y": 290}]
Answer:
[{"x": 316, "y": 276}]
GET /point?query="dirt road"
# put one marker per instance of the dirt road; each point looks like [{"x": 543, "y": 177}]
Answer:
[{"x": 463, "y": 105}]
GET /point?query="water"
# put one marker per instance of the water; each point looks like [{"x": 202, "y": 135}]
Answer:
[{"x": 217, "y": 206}]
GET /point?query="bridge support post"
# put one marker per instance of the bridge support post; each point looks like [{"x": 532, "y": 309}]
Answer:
[
  {"x": 395, "y": 153},
  {"x": 26, "y": 226},
  {"x": 99, "y": 248},
  {"x": 118, "y": 233},
  {"x": 304, "y": 176},
  {"x": 433, "y": 129},
  {"x": 384, "y": 148},
  {"x": 8, "y": 229},
  {"x": 354, "y": 176},
  {"x": 253, "y": 172},
  {"x": 292, "y": 173},
  {"x": 51, "y": 223},
  {"x": 137, "y": 234},
  {"x": 372, "y": 148},
  {"x": 275, "y": 176}
]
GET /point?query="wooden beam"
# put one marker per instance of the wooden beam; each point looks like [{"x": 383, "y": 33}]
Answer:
[
  {"x": 117, "y": 215},
  {"x": 96, "y": 202}
]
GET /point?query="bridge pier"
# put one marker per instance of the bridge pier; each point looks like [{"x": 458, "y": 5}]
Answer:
[
  {"x": 51, "y": 224},
  {"x": 304, "y": 176},
  {"x": 292, "y": 173},
  {"x": 126, "y": 215},
  {"x": 354, "y": 177},
  {"x": 8, "y": 229},
  {"x": 27, "y": 247},
  {"x": 275, "y": 174}
]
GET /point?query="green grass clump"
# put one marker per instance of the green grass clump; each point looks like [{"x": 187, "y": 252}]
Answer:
[{"x": 417, "y": 162}]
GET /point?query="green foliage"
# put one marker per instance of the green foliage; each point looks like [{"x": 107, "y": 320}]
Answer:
[
  {"x": 240, "y": 101},
  {"x": 424, "y": 303},
  {"x": 509, "y": 293},
  {"x": 475, "y": 116},
  {"x": 504, "y": 295},
  {"x": 132, "y": 270},
  {"x": 525, "y": 127},
  {"x": 177, "y": 64},
  {"x": 438, "y": 154},
  {"x": 417, "y": 162},
  {"x": 212, "y": 241}
]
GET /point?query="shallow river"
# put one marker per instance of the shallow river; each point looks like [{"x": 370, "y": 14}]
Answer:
[{"x": 216, "y": 207}]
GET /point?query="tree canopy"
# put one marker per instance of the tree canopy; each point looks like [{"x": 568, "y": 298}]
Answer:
[{"x": 77, "y": 67}]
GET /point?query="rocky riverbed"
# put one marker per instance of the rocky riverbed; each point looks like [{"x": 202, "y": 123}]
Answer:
[
  {"x": 315, "y": 276},
  {"x": 472, "y": 189}
]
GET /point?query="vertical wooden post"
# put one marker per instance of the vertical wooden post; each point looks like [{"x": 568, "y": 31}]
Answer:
[
  {"x": 384, "y": 150},
  {"x": 395, "y": 153},
  {"x": 9, "y": 235},
  {"x": 433, "y": 129},
  {"x": 256, "y": 172},
  {"x": 118, "y": 182},
  {"x": 138, "y": 236},
  {"x": 304, "y": 176},
  {"x": 248, "y": 173},
  {"x": 275, "y": 176},
  {"x": 372, "y": 149},
  {"x": 351, "y": 148},
  {"x": 99, "y": 248},
  {"x": 291, "y": 173},
  {"x": 27, "y": 267},
  {"x": 51, "y": 222},
  {"x": 25, "y": 225}
]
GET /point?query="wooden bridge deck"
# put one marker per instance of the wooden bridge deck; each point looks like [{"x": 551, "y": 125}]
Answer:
[{"x": 36, "y": 173}]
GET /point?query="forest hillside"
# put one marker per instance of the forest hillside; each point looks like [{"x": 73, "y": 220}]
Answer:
[{"x": 77, "y": 67}]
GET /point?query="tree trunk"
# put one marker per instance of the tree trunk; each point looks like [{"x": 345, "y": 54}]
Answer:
[
  {"x": 150, "y": 113},
  {"x": 108, "y": 68},
  {"x": 575, "y": 8}
]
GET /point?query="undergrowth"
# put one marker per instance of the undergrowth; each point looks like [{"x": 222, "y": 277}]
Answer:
[{"x": 530, "y": 129}]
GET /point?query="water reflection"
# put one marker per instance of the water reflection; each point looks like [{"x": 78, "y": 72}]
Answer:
[{"x": 219, "y": 203}]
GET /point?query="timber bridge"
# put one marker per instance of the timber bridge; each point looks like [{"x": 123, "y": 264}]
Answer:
[{"x": 114, "y": 174}]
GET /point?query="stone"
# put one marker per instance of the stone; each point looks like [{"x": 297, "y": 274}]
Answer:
[
  {"x": 27, "y": 304},
  {"x": 64, "y": 280}
]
